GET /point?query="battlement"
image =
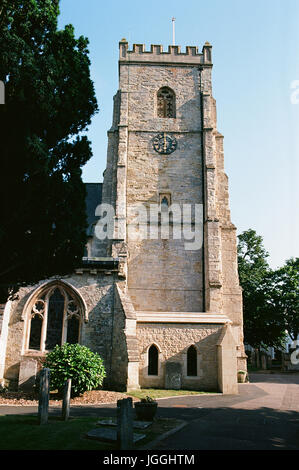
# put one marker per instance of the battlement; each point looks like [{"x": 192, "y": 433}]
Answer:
[{"x": 157, "y": 55}]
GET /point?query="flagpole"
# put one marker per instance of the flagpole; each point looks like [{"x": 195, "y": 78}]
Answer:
[{"x": 173, "y": 31}]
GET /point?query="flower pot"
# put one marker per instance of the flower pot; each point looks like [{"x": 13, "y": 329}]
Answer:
[
  {"x": 242, "y": 378},
  {"x": 146, "y": 411}
]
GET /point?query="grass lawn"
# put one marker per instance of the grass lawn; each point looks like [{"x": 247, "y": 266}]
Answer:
[
  {"x": 19, "y": 432},
  {"x": 24, "y": 433},
  {"x": 162, "y": 393}
]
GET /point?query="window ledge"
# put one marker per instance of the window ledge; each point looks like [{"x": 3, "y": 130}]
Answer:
[{"x": 34, "y": 353}]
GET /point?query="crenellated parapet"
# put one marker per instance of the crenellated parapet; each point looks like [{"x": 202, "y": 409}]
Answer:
[{"x": 173, "y": 55}]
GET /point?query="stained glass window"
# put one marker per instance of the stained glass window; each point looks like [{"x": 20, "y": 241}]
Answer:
[{"x": 55, "y": 318}]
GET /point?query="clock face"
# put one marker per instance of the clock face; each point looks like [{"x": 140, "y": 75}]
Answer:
[{"x": 164, "y": 143}]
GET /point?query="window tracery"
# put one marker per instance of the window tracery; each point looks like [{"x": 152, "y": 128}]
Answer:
[
  {"x": 54, "y": 318},
  {"x": 166, "y": 103}
]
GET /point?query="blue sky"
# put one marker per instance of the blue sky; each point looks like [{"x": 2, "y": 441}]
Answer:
[{"x": 256, "y": 59}]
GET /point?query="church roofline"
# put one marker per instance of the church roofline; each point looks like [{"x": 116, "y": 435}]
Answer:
[{"x": 157, "y": 55}]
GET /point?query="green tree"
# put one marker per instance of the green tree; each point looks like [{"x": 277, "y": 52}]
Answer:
[
  {"x": 263, "y": 323},
  {"x": 285, "y": 295},
  {"x": 49, "y": 102}
]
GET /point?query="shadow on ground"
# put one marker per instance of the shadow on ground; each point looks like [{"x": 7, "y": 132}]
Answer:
[
  {"x": 234, "y": 429},
  {"x": 218, "y": 428},
  {"x": 214, "y": 422}
]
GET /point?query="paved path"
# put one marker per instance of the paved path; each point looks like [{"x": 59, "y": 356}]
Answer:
[{"x": 264, "y": 416}]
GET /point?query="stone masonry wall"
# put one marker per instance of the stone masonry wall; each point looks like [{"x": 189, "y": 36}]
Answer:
[
  {"x": 162, "y": 274},
  {"x": 97, "y": 333},
  {"x": 173, "y": 341}
]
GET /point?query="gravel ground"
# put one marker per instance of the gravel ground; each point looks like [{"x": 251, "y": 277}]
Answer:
[{"x": 93, "y": 397}]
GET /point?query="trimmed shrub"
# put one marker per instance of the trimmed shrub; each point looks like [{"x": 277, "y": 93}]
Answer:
[{"x": 76, "y": 362}]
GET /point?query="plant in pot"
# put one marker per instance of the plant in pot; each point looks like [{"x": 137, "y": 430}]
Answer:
[
  {"x": 242, "y": 375},
  {"x": 146, "y": 409}
]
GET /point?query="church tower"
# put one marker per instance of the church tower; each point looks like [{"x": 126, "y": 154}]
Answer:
[
  {"x": 157, "y": 294},
  {"x": 172, "y": 232}
]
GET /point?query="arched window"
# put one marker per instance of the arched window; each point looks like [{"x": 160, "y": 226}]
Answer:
[
  {"x": 54, "y": 318},
  {"x": 166, "y": 103},
  {"x": 164, "y": 203},
  {"x": 153, "y": 360},
  {"x": 192, "y": 361}
]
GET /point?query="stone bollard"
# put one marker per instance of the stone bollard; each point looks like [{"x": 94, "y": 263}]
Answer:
[
  {"x": 125, "y": 424},
  {"x": 66, "y": 400},
  {"x": 44, "y": 390}
]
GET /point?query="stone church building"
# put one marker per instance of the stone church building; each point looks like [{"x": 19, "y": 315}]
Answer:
[{"x": 160, "y": 302}]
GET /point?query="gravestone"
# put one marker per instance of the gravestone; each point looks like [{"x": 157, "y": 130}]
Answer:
[
  {"x": 125, "y": 424},
  {"x": 27, "y": 375},
  {"x": 136, "y": 424},
  {"x": 66, "y": 400},
  {"x": 110, "y": 435},
  {"x": 264, "y": 361},
  {"x": 173, "y": 375},
  {"x": 44, "y": 390}
]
